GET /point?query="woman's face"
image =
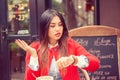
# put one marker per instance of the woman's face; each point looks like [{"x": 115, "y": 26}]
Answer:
[{"x": 55, "y": 30}]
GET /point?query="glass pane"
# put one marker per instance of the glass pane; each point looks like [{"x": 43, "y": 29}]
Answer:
[
  {"x": 77, "y": 13},
  {"x": 17, "y": 59},
  {"x": 18, "y": 17}
]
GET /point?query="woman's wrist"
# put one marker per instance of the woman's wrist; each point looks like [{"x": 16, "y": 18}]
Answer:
[
  {"x": 34, "y": 54},
  {"x": 32, "y": 51},
  {"x": 75, "y": 59}
]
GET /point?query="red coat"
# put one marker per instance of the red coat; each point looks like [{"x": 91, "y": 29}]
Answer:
[{"x": 72, "y": 72}]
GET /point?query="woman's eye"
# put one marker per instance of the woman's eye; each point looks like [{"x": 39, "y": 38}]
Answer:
[
  {"x": 60, "y": 24},
  {"x": 52, "y": 26}
]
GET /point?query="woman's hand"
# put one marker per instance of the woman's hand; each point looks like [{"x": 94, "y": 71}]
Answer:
[
  {"x": 22, "y": 44},
  {"x": 64, "y": 62}
]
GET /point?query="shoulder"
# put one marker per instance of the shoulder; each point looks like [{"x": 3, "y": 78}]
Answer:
[
  {"x": 73, "y": 44},
  {"x": 71, "y": 41}
]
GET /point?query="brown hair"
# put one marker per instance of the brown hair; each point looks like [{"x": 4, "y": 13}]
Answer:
[{"x": 45, "y": 20}]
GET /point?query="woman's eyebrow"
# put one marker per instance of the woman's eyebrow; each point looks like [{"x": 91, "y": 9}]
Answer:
[{"x": 52, "y": 23}]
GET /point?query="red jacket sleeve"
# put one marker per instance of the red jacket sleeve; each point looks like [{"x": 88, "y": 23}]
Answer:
[
  {"x": 78, "y": 50},
  {"x": 29, "y": 73}
]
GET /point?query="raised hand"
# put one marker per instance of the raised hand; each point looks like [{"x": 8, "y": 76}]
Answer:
[
  {"x": 22, "y": 44},
  {"x": 64, "y": 62}
]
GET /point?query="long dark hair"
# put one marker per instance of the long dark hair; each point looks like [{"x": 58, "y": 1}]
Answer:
[{"x": 45, "y": 20}]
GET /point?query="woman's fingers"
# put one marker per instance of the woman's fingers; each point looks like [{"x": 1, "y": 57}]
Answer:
[
  {"x": 64, "y": 62},
  {"x": 21, "y": 44},
  {"x": 60, "y": 63},
  {"x": 18, "y": 42}
]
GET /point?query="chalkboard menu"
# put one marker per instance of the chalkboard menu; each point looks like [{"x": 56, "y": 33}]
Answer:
[{"x": 105, "y": 48}]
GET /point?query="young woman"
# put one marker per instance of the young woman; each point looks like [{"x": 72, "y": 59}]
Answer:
[{"x": 56, "y": 54}]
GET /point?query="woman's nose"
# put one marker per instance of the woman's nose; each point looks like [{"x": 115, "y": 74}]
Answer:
[{"x": 57, "y": 27}]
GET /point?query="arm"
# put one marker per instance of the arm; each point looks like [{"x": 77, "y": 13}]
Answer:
[
  {"x": 93, "y": 61},
  {"x": 78, "y": 57},
  {"x": 32, "y": 65}
]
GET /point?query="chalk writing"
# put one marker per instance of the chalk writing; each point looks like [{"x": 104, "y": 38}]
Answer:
[
  {"x": 112, "y": 78},
  {"x": 102, "y": 78},
  {"x": 94, "y": 51},
  {"x": 106, "y": 66},
  {"x": 99, "y": 73},
  {"x": 82, "y": 42},
  {"x": 107, "y": 73},
  {"x": 95, "y": 77},
  {"x": 107, "y": 56},
  {"x": 103, "y": 42}
]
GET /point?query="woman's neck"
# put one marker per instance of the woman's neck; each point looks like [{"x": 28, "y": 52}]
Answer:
[{"x": 53, "y": 43}]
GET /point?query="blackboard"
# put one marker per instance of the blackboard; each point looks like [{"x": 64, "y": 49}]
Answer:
[{"x": 105, "y": 48}]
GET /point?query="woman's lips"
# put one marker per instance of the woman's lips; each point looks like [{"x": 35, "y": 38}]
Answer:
[{"x": 57, "y": 34}]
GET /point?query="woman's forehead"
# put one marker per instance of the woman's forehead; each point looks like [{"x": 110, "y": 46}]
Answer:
[{"x": 55, "y": 19}]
